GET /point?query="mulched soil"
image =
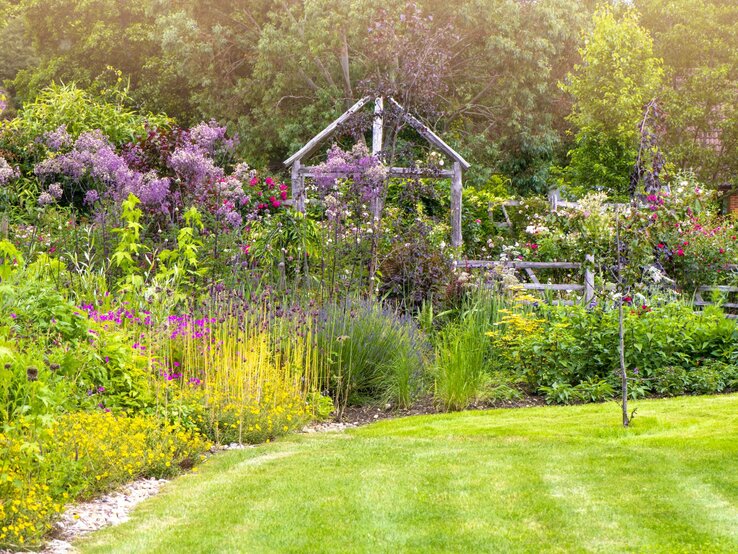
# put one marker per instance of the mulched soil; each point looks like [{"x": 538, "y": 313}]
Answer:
[{"x": 361, "y": 415}]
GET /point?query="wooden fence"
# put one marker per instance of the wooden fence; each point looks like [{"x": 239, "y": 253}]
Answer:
[{"x": 529, "y": 268}]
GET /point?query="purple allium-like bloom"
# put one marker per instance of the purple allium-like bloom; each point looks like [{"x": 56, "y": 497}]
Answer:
[
  {"x": 91, "y": 196},
  {"x": 7, "y": 172},
  {"x": 56, "y": 191},
  {"x": 58, "y": 139},
  {"x": 45, "y": 199}
]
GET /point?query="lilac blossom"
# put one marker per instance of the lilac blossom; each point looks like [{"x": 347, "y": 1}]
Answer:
[
  {"x": 58, "y": 140},
  {"x": 365, "y": 172},
  {"x": 192, "y": 165},
  {"x": 244, "y": 173},
  {"x": 91, "y": 196},
  {"x": 211, "y": 138},
  {"x": 154, "y": 192}
]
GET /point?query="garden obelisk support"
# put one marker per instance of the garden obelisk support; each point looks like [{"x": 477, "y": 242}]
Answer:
[
  {"x": 456, "y": 191},
  {"x": 298, "y": 187},
  {"x": 621, "y": 327}
]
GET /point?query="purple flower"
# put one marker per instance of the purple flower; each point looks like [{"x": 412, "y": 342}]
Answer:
[
  {"x": 7, "y": 173},
  {"x": 56, "y": 191},
  {"x": 58, "y": 139},
  {"x": 45, "y": 199},
  {"x": 91, "y": 196},
  {"x": 212, "y": 138}
]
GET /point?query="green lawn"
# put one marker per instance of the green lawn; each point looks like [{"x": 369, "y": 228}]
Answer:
[{"x": 554, "y": 479}]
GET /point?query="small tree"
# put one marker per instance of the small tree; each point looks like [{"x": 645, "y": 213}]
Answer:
[{"x": 618, "y": 76}]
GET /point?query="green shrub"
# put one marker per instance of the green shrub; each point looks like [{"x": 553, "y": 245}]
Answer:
[
  {"x": 594, "y": 390},
  {"x": 708, "y": 378},
  {"x": 574, "y": 344},
  {"x": 669, "y": 381},
  {"x": 80, "y": 111}
]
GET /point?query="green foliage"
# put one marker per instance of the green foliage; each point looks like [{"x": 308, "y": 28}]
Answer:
[
  {"x": 81, "y": 110},
  {"x": 570, "y": 353},
  {"x": 696, "y": 40},
  {"x": 618, "y": 75},
  {"x": 285, "y": 242},
  {"x": 129, "y": 247},
  {"x": 180, "y": 268},
  {"x": 10, "y": 259}
]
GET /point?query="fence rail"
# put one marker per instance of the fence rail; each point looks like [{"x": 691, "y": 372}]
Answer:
[
  {"x": 587, "y": 287},
  {"x": 699, "y": 301}
]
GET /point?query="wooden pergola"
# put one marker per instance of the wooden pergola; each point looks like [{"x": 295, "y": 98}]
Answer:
[{"x": 301, "y": 171}]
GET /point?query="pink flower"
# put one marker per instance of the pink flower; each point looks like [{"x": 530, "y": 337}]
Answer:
[
  {"x": 680, "y": 252},
  {"x": 254, "y": 181}
]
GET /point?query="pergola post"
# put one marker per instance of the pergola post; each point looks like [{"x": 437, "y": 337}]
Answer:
[
  {"x": 456, "y": 192},
  {"x": 378, "y": 126},
  {"x": 377, "y": 204},
  {"x": 298, "y": 187}
]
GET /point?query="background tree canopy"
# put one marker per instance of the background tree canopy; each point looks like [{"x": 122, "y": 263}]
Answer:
[{"x": 486, "y": 73}]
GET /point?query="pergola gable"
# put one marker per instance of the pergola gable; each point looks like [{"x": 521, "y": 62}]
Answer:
[{"x": 299, "y": 172}]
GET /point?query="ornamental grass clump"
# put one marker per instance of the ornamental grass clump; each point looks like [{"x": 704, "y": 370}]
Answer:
[
  {"x": 463, "y": 352},
  {"x": 370, "y": 354}
]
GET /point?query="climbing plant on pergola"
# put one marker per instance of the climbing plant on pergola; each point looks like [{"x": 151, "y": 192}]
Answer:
[{"x": 301, "y": 171}]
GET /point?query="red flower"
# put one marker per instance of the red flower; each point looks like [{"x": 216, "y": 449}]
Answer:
[{"x": 680, "y": 252}]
